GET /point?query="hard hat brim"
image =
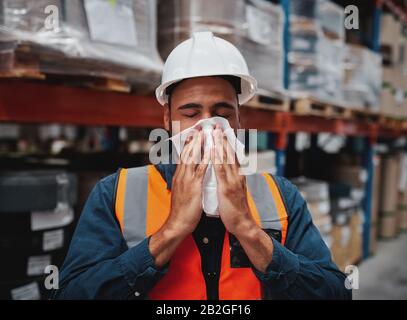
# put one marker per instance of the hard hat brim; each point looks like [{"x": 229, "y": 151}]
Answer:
[{"x": 249, "y": 87}]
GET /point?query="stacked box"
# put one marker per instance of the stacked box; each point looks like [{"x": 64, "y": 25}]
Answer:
[
  {"x": 253, "y": 26},
  {"x": 316, "y": 194},
  {"x": 98, "y": 38},
  {"x": 347, "y": 229},
  {"x": 389, "y": 197},
  {"x": 39, "y": 204}
]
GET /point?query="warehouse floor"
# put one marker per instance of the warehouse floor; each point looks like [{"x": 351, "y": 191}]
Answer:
[{"x": 384, "y": 276}]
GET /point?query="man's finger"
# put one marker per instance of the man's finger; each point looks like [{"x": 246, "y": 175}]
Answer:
[
  {"x": 203, "y": 166},
  {"x": 187, "y": 148},
  {"x": 217, "y": 165}
]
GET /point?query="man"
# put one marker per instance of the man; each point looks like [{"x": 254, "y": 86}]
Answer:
[{"x": 143, "y": 233}]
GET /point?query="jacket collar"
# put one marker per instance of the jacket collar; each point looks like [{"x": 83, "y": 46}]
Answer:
[{"x": 167, "y": 172}]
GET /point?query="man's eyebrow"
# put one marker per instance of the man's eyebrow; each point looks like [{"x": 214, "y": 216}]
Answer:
[
  {"x": 189, "y": 106},
  {"x": 223, "y": 105}
]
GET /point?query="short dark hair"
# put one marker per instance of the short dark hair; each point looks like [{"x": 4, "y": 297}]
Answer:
[{"x": 233, "y": 80}]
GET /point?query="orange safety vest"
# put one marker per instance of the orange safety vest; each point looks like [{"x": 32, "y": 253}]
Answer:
[{"x": 142, "y": 206}]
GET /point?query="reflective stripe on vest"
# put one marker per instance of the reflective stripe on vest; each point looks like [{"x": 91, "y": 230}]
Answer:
[{"x": 142, "y": 207}]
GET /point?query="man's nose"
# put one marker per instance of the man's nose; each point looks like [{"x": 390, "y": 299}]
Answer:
[{"x": 207, "y": 114}]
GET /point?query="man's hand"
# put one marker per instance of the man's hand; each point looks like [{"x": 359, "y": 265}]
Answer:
[
  {"x": 186, "y": 201},
  {"x": 187, "y": 185},
  {"x": 233, "y": 205},
  {"x": 232, "y": 191}
]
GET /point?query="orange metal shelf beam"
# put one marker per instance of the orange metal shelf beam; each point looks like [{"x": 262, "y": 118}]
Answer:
[
  {"x": 33, "y": 102},
  {"x": 37, "y": 102}
]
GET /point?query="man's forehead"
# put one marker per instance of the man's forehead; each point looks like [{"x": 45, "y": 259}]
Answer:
[{"x": 207, "y": 88}]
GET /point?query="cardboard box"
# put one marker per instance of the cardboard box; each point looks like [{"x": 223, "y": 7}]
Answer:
[
  {"x": 403, "y": 219},
  {"x": 376, "y": 189},
  {"x": 388, "y": 29},
  {"x": 392, "y": 96},
  {"x": 355, "y": 242},
  {"x": 387, "y": 99},
  {"x": 398, "y": 91},
  {"x": 387, "y": 102},
  {"x": 355, "y": 175},
  {"x": 312, "y": 190},
  {"x": 340, "y": 243},
  {"x": 373, "y": 238},
  {"x": 390, "y": 35},
  {"x": 402, "y": 211},
  {"x": 388, "y": 226},
  {"x": 390, "y": 182},
  {"x": 323, "y": 223}
]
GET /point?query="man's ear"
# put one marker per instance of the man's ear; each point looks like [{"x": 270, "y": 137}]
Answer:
[{"x": 167, "y": 116}]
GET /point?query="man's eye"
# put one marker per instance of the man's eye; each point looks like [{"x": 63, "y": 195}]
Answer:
[
  {"x": 190, "y": 114},
  {"x": 224, "y": 115}
]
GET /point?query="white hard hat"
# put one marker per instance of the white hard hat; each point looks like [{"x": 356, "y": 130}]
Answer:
[{"x": 206, "y": 55}]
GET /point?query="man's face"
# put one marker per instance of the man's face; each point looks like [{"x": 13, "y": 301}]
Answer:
[{"x": 201, "y": 98}]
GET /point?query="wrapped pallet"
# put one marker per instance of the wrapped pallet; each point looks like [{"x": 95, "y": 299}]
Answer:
[
  {"x": 91, "y": 37},
  {"x": 255, "y": 27},
  {"x": 39, "y": 204}
]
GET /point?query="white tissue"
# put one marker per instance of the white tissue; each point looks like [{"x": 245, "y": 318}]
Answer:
[{"x": 209, "y": 197}]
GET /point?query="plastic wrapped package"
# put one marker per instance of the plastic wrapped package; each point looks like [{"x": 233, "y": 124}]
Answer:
[
  {"x": 303, "y": 43},
  {"x": 362, "y": 76},
  {"x": 98, "y": 37},
  {"x": 331, "y": 88},
  {"x": 332, "y": 19},
  {"x": 331, "y": 55},
  {"x": 312, "y": 190},
  {"x": 265, "y": 23},
  {"x": 178, "y": 19},
  {"x": 305, "y": 78},
  {"x": 262, "y": 47},
  {"x": 316, "y": 66},
  {"x": 331, "y": 52},
  {"x": 266, "y": 64},
  {"x": 304, "y": 9},
  {"x": 304, "y": 14},
  {"x": 253, "y": 26}
]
